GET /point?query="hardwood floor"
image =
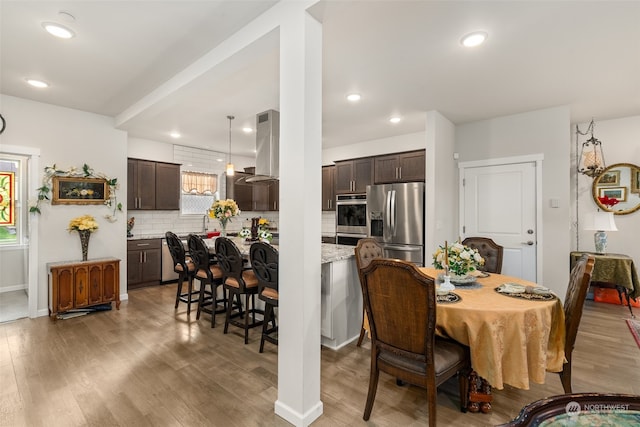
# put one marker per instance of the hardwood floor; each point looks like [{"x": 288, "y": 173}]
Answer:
[{"x": 147, "y": 364}]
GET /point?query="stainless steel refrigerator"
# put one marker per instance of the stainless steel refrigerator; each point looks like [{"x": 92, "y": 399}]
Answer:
[{"x": 395, "y": 218}]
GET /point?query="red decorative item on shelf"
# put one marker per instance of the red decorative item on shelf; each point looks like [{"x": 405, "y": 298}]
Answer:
[{"x": 608, "y": 201}]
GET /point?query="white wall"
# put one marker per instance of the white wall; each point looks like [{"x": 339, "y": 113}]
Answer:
[
  {"x": 71, "y": 138},
  {"x": 374, "y": 147},
  {"x": 621, "y": 144},
  {"x": 544, "y": 131},
  {"x": 441, "y": 198}
]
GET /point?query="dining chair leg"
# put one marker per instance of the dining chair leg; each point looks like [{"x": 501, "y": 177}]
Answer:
[
  {"x": 190, "y": 291},
  {"x": 371, "y": 395},
  {"x": 180, "y": 280},
  {"x": 268, "y": 312},
  {"x": 228, "y": 316},
  {"x": 200, "y": 300},
  {"x": 246, "y": 318},
  {"x": 565, "y": 377}
]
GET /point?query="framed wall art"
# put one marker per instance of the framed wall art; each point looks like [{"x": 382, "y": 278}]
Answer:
[
  {"x": 79, "y": 191},
  {"x": 635, "y": 180},
  {"x": 619, "y": 193},
  {"x": 610, "y": 178}
]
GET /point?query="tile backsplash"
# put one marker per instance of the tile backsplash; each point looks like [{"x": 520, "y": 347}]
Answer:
[{"x": 159, "y": 222}]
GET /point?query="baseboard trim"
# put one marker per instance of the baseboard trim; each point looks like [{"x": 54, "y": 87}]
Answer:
[
  {"x": 14, "y": 288},
  {"x": 296, "y": 418}
]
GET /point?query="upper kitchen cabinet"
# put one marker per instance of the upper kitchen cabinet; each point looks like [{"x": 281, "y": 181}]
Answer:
[
  {"x": 328, "y": 188},
  {"x": 152, "y": 185},
  {"x": 259, "y": 196},
  {"x": 400, "y": 167},
  {"x": 167, "y": 187},
  {"x": 353, "y": 176}
]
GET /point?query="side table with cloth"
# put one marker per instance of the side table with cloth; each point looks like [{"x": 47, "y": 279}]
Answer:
[
  {"x": 512, "y": 341},
  {"x": 615, "y": 271}
]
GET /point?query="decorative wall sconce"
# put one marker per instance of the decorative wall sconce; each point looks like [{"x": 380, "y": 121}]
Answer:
[{"x": 591, "y": 160}]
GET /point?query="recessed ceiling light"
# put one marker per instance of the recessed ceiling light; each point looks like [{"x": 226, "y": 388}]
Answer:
[
  {"x": 395, "y": 119},
  {"x": 37, "y": 83},
  {"x": 58, "y": 30},
  {"x": 175, "y": 135},
  {"x": 353, "y": 97},
  {"x": 247, "y": 129},
  {"x": 474, "y": 39}
]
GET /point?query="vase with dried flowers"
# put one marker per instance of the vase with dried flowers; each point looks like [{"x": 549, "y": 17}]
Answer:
[{"x": 84, "y": 225}]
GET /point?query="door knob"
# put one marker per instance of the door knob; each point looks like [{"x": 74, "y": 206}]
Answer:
[{"x": 528, "y": 242}]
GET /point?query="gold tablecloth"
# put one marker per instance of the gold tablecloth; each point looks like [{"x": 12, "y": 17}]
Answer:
[
  {"x": 512, "y": 341},
  {"x": 616, "y": 269}
]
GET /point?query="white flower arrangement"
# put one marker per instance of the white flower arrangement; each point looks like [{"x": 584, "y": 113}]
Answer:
[{"x": 461, "y": 259}]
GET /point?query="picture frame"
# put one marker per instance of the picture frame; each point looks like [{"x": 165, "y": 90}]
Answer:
[
  {"x": 635, "y": 180},
  {"x": 618, "y": 193},
  {"x": 610, "y": 178},
  {"x": 79, "y": 191}
]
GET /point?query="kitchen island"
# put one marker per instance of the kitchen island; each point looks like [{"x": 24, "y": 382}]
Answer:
[
  {"x": 341, "y": 299},
  {"x": 341, "y": 296}
]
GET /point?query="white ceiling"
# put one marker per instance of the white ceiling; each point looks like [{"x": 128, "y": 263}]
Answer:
[{"x": 404, "y": 57}]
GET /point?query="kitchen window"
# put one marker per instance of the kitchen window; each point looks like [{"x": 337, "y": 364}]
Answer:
[{"x": 199, "y": 190}]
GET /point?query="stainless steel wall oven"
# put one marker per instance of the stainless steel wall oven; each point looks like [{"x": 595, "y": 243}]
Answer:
[{"x": 351, "y": 218}]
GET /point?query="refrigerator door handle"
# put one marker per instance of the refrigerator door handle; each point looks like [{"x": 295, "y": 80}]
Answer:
[
  {"x": 392, "y": 210},
  {"x": 386, "y": 223}
]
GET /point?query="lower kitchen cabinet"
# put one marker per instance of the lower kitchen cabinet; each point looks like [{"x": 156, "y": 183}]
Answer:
[
  {"x": 144, "y": 262},
  {"x": 82, "y": 284}
]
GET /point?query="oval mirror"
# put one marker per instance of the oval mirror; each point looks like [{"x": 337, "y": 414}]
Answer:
[{"x": 620, "y": 182}]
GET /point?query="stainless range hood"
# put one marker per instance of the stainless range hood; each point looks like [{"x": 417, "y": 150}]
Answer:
[{"x": 267, "y": 147}]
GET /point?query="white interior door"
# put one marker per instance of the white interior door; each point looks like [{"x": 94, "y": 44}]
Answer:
[{"x": 499, "y": 202}]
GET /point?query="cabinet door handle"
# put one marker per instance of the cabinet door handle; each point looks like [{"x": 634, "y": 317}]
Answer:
[{"x": 399, "y": 173}]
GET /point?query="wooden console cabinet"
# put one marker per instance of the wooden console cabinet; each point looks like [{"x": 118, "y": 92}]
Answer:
[{"x": 82, "y": 284}]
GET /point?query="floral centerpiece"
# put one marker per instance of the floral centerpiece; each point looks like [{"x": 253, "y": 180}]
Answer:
[
  {"x": 84, "y": 225},
  {"x": 223, "y": 211},
  {"x": 460, "y": 259},
  {"x": 263, "y": 230}
]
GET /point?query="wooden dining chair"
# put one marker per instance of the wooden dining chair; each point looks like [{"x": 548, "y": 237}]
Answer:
[
  {"x": 489, "y": 250},
  {"x": 210, "y": 276},
  {"x": 184, "y": 267},
  {"x": 238, "y": 282},
  {"x": 366, "y": 250},
  {"x": 573, "y": 304},
  {"x": 401, "y": 305},
  {"x": 264, "y": 262}
]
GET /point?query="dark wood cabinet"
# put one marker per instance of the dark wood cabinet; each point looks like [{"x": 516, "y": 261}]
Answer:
[
  {"x": 167, "y": 187},
  {"x": 261, "y": 196},
  {"x": 81, "y": 284},
  {"x": 328, "y": 188},
  {"x": 353, "y": 176},
  {"x": 152, "y": 185},
  {"x": 144, "y": 262},
  {"x": 400, "y": 167}
]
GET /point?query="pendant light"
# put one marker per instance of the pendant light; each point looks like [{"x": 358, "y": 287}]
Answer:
[
  {"x": 230, "y": 167},
  {"x": 591, "y": 160}
]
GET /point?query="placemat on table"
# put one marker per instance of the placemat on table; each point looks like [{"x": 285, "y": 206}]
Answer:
[
  {"x": 449, "y": 298},
  {"x": 527, "y": 295}
]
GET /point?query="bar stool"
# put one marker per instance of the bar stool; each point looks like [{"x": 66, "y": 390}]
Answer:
[
  {"x": 209, "y": 274},
  {"x": 264, "y": 262},
  {"x": 238, "y": 282},
  {"x": 185, "y": 268}
]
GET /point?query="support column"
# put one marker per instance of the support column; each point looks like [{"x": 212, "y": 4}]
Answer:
[{"x": 300, "y": 216}]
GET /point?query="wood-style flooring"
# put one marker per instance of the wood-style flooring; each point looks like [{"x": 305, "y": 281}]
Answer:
[{"x": 149, "y": 365}]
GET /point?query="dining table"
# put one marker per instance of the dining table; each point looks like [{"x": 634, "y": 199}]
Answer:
[{"x": 513, "y": 338}]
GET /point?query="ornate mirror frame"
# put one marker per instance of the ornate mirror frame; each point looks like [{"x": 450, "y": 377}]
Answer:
[{"x": 620, "y": 181}]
